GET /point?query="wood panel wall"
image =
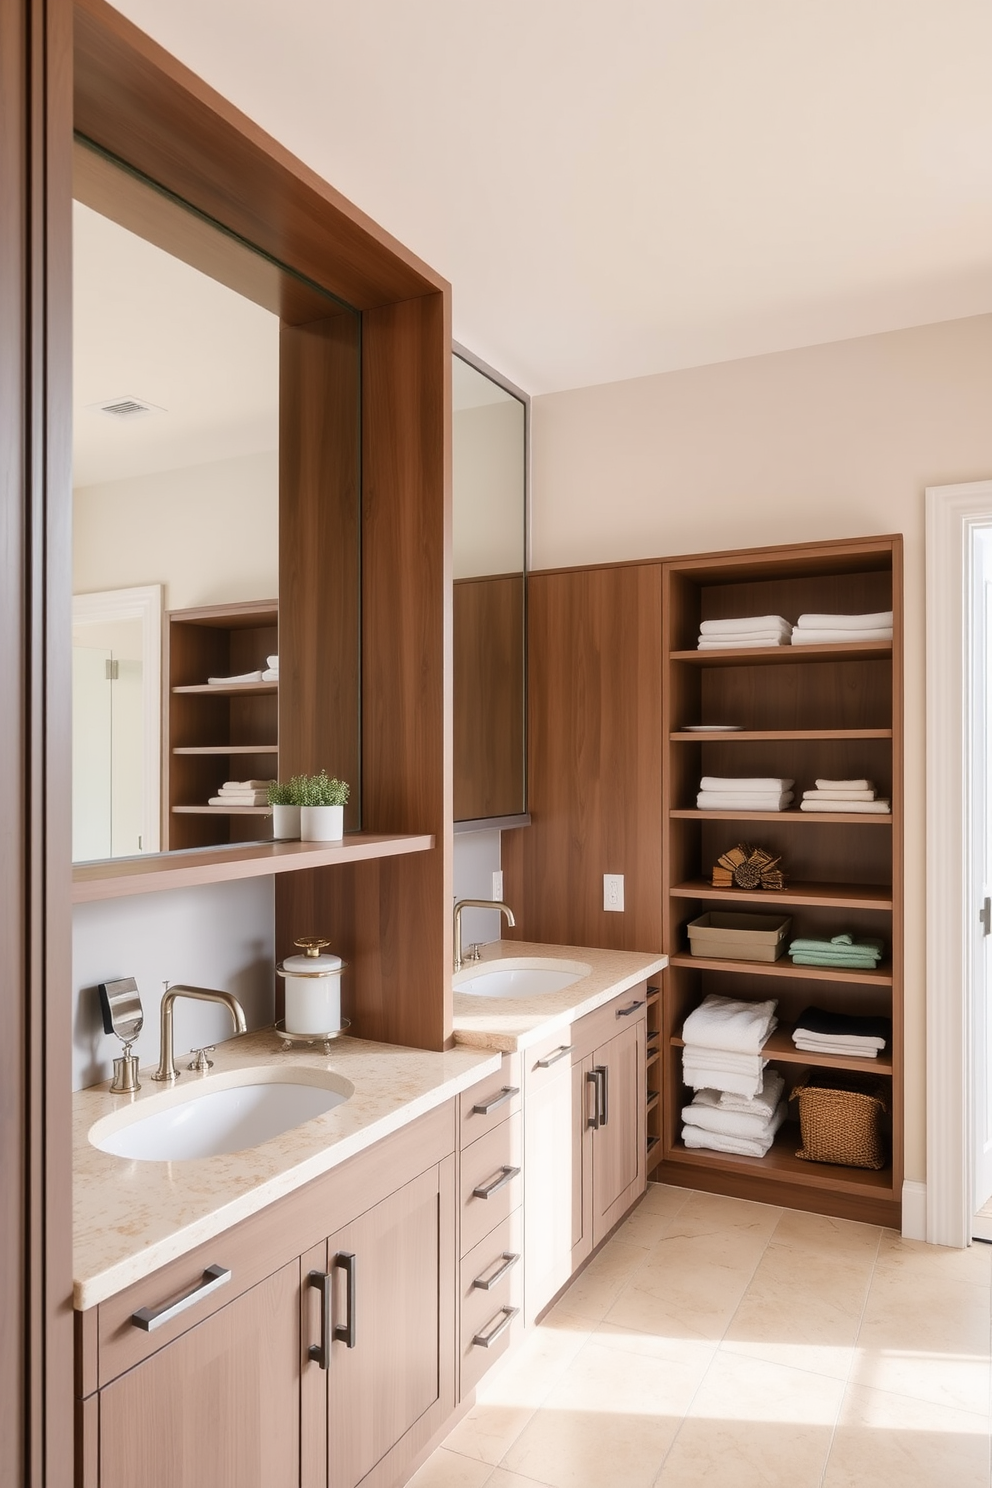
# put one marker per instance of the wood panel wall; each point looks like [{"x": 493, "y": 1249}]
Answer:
[
  {"x": 594, "y": 760},
  {"x": 489, "y": 696}
]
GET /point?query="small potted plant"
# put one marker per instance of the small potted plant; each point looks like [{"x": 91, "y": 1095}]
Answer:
[
  {"x": 322, "y": 800},
  {"x": 284, "y": 798}
]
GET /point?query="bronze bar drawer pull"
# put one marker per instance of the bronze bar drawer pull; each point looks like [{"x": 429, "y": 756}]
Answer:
[
  {"x": 592, "y": 1078},
  {"x": 486, "y": 1284},
  {"x": 150, "y": 1318},
  {"x": 626, "y": 1012},
  {"x": 486, "y": 1340},
  {"x": 550, "y": 1059},
  {"x": 486, "y": 1190},
  {"x": 320, "y": 1352},
  {"x": 507, "y": 1093},
  {"x": 346, "y": 1332}
]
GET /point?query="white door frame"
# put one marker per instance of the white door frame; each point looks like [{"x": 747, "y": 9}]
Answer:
[
  {"x": 953, "y": 513},
  {"x": 144, "y": 603}
]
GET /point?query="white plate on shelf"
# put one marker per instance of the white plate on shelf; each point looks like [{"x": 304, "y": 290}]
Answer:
[{"x": 712, "y": 728}]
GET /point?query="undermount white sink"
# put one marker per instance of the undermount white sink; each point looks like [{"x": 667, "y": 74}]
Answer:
[
  {"x": 215, "y": 1114},
  {"x": 519, "y": 976}
]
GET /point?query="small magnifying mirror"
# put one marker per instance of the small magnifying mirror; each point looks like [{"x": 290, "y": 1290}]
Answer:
[{"x": 120, "y": 1002}]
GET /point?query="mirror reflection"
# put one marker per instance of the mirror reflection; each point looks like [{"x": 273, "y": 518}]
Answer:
[
  {"x": 197, "y": 363},
  {"x": 488, "y": 544}
]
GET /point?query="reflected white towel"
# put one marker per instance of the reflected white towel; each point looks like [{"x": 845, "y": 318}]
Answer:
[
  {"x": 730, "y": 1025},
  {"x": 744, "y": 784},
  {"x": 259, "y": 798},
  {"x": 837, "y": 637},
  {"x": 864, "y": 808},
  {"x": 271, "y": 674},
  {"x": 272, "y": 661},
  {"x": 879, "y": 620},
  {"x": 694, "y": 1136},
  {"x": 839, "y": 795},
  {"x": 844, "y": 785},
  {"x": 746, "y": 623},
  {"x": 707, "y": 1112},
  {"x": 241, "y": 677},
  {"x": 755, "y": 801},
  {"x": 764, "y": 1102},
  {"x": 246, "y": 785}
]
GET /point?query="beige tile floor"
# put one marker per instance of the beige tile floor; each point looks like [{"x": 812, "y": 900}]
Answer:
[{"x": 716, "y": 1343}]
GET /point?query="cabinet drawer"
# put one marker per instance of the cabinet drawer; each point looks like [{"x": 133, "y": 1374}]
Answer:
[
  {"x": 492, "y": 1276},
  {"x": 491, "y": 1101},
  {"x": 491, "y": 1181},
  {"x": 599, "y": 1027}
]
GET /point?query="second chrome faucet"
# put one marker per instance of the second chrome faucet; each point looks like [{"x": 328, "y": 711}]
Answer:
[
  {"x": 166, "y": 1064},
  {"x": 475, "y": 904}
]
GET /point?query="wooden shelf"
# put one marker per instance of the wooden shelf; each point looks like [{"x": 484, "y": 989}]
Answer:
[
  {"x": 120, "y": 877},
  {"x": 222, "y": 810},
  {"x": 230, "y": 689},
  {"x": 654, "y": 1096},
  {"x": 653, "y": 1056},
  {"x": 221, "y": 749},
  {"x": 762, "y": 736},
  {"x": 782, "y": 1164},
  {"x": 786, "y": 655},
  {"x": 823, "y": 895},
  {"x": 823, "y": 818},
  {"x": 785, "y": 968},
  {"x": 781, "y": 1048}
]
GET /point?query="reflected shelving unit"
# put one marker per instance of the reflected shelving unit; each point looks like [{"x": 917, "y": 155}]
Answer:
[{"x": 831, "y": 710}]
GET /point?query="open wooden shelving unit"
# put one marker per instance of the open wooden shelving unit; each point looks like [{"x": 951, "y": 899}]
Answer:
[
  {"x": 208, "y": 727},
  {"x": 805, "y": 712}
]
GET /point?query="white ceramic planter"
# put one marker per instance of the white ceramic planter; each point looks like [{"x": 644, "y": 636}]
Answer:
[
  {"x": 322, "y": 823},
  {"x": 286, "y": 823}
]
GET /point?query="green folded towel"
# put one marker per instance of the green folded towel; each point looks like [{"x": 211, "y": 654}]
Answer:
[
  {"x": 841, "y": 946},
  {"x": 847, "y": 963}
]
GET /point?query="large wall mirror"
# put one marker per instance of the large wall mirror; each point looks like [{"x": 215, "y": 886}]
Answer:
[
  {"x": 216, "y": 454},
  {"x": 489, "y": 420}
]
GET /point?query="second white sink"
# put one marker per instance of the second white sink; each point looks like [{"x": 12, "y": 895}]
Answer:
[
  {"x": 229, "y": 1112},
  {"x": 519, "y": 976}
]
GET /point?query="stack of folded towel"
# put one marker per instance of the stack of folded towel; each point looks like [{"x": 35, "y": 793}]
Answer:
[
  {"x": 752, "y": 630},
  {"x": 242, "y": 793},
  {"x": 824, "y": 630},
  {"x": 722, "y": 1122},
  {"x": 723, "y": 1043},
  {"x": 841, "y": 951},
  {"x": 271, "y": 673},
  {"x": 820, "y": 1032},
  {"x": 760, "y": 793},
  {"x": 241, "y": 677},
  {"x": 844, "y": 795}
]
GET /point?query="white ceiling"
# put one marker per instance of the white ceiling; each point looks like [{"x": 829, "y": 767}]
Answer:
[
  {"x": 622, "y": 188},
  {"x": 146, "y": 325}
]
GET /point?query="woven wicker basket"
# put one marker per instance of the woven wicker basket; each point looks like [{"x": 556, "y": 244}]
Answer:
[{"x": 840, "y": 1117}]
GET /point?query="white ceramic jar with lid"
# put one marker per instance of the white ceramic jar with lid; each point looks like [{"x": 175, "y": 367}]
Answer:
[{"x": 313, "y": 989}]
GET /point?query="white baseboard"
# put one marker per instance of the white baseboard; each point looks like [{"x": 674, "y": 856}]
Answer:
[{"x": 914, "y": 1210}]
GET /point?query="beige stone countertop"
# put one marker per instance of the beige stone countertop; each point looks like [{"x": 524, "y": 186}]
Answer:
[
  {"x": 131, "y": 1217},
  {"x": 509, "y": 1024}
]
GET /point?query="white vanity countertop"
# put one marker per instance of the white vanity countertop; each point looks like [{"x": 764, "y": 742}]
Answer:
[
  {"x": 509, "y": 1024},
  {"x": 132, "y": 1217}
]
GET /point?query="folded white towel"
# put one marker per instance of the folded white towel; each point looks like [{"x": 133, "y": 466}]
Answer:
[
  {"x": 246, "y": 785},
  {"x": 739, "y": 1082},
  {"x": 837, "y": 637},
  {"x": 706, "y": 1111},
  {"x": 729, "y": 1024},
  {"x": 838, "y": 795},
  {"x": 271, "y": 674},
  {"x": 753, "y": 801},
  {"x": 838, "y": 1046},
  {"x": 693, "y": 1136},
  {"x": 761, "y": 1104},
  {"x": 726, "y": 643},
  {"x": 272, "y": 661},
  {"x": 746, "y": 623},
  {"x": 724, "y": 1059},
  {"x": 844, "y": 785},
  {"x": 861, "y": 808},
  {"x": 880, "y": 620},
  {"x": 241, "y": 677},
  {"x": 260, "y": 798},
  {"x": 745, "y": 784}
]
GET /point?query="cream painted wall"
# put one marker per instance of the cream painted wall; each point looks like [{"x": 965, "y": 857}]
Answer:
[
  {"x": 488, "y": 489},
  {"x": 208, "y": 533},
  {"x": 826, "y": 442}
]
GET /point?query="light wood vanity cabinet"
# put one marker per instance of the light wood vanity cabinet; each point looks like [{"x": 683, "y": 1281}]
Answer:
[{"x": 584, "y": 1111}]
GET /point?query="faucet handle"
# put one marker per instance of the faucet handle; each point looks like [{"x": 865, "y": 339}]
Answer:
[{"x": 200, "y": 1062}]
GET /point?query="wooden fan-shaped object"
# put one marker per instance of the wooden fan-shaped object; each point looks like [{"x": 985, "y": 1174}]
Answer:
[{"x": 748, "y": 867}]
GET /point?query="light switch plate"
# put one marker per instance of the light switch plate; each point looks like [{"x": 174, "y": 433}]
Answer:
[
  {"x": 613, "y": 891},
  {"x": 498, "y": 883}
]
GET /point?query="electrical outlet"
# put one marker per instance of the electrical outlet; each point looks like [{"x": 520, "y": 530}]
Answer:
[
  {"x": 498, "y": 884},
  {"x": 613, "y": 891}
]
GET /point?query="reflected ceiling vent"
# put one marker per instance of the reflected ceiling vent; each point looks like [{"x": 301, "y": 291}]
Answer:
[{"x": 126, "y": 407}]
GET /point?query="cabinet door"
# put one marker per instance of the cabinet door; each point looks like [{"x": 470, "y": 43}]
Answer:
[
  {"x": 618, "y": 1141},
  {"x": 390, "y": 1381},
  {"x": 220, "y": 1405},
  {"x": 557, "y": 1187}
]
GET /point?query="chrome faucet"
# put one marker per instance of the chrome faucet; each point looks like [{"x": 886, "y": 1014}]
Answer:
[
  {"x": 166, "y": 1063},
  {"x": 475, "y": 904}
]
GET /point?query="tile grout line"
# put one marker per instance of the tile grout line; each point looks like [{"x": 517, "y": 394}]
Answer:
[{"x": 854, "y": 1358}]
